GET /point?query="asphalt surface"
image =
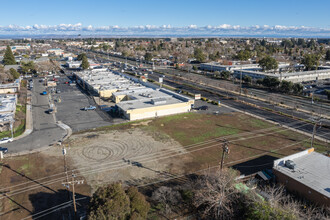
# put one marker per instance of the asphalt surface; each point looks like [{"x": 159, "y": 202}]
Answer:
[
  {"x": 45, "y": 131},
  {"x": 69, "y": 112}
]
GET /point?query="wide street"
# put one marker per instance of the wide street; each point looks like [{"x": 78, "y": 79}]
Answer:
[{"x": 45, "y": 131}]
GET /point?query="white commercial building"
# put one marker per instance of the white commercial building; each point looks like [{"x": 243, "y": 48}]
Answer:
[{"x": 134, "y": 99}]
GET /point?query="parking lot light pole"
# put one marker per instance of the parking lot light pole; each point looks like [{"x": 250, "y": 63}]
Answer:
[{"x": 11, "y": 128}]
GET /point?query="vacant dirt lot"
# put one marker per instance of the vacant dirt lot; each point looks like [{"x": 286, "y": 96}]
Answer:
[{"x": 130, "y": 155}]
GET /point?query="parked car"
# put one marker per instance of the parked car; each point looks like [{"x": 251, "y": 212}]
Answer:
[
  {"x": 50, "y": 111},
  {"x": 44, "y": 93},
  {"x": 4, "y": 149},
  {"x": 204, "y": 107},
  {"x": 91, "y": 107},
  {"x": 5, "y": 140},
  {"x": 58, "y": 91}
]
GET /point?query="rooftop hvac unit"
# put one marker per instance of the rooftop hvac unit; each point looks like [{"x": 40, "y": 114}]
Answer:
[{"x": 158, "y": 101}]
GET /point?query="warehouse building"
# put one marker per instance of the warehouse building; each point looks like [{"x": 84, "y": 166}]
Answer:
[
  {"x": 134, "y": 99},
  {"x": 295, "y": 77},
  {"x": 306, "y": 173}
]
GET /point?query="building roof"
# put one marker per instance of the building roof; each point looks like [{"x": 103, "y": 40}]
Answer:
[
  {"x": 312, "y": 169},
  {"x": 7, "y": 103}
]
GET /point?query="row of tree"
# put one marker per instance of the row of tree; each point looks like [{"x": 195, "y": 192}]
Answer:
[
  {"x": 212, "y": 195},
  {"x": 275, "y": 84}
]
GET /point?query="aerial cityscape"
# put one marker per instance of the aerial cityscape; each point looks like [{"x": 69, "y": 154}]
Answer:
[{"x": 164, "y": 110}]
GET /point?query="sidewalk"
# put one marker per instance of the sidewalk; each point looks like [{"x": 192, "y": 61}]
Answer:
[{"x": 28, "y": 117}]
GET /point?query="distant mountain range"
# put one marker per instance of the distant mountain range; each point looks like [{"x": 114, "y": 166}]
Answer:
[{"x": 224, "y": 30}]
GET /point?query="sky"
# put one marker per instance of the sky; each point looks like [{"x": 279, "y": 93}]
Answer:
[{"x": 19, "y": 14}]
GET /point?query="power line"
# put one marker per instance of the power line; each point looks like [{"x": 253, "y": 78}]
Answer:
[
  {"x": 118, "y": 166},
  {"x": 186, "y": 147},
  {"x": 141, "y": 185}
]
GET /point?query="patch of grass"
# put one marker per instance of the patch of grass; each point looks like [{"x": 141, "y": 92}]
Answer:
[
  {"x": 21, "y": 108},
  {"x": 25, "y": 169},
  {"x": 257, "y": 123},
  {"x": 17, "y": 132}
]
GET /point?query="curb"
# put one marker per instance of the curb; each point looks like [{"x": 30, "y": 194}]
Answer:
[
  {"x": 65, "y": 127},
  {"x": 28, "y": 120}
]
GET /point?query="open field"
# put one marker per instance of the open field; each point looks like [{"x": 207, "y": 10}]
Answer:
[{"x": 142, "y": 152}]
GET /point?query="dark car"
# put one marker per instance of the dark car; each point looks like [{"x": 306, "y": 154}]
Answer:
[
  {"x": 4, "y": 149},
  {"x": 204, "y": 107}
]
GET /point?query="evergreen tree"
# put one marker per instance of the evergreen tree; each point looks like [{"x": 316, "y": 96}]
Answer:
[
  {"x": 84, "y": 63},
  {"x": 327, "y": 55},
  {"x": 268, "y": 63},
  {"x": 8, "y": 58},
  {"x": 14, "y": 73}
]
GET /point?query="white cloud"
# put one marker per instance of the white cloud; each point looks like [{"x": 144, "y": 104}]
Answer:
[{"x": 166, "y": 30}]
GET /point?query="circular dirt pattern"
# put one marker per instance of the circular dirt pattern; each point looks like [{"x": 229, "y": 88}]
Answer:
[
  {"x": 117, "y": 149},
  {"x": 96, "y": 153}
]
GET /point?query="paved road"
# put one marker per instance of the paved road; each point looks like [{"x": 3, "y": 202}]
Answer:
[{"x": 45, "y": 131}]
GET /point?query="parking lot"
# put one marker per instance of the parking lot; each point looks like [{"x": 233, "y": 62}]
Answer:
[{"x": 72, "y": 100}]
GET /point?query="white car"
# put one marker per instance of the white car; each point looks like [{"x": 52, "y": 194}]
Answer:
[{"x": 5, "y": 140}]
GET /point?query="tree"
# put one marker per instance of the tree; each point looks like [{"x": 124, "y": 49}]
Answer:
[
  {"x": 225, "y": 74},
  {"x": 327, "y": 55},
  {"x": 14, "y": 73},
  {"x": 113, "y": 202},
  {"x": 105, "y": 47},
  {"x": 268, "y": 63},
  {"x": 286, "y": 86},
  {"x": 81, "y": 56},
  {"x": 327, "y": 92},
  {"x": 8, "y": 58},
  {"x": 28, "y": 67},
  {"x": 110, "y": 202},
  {"x": 247, "y": 79},
  {"x": 301, "y": 42},
  {"x": 138, "y": 204},
  {"x": 244, "y": 55},
  {"x": 148, "y": 56},
  {"x": 167, "y": 197},
  {"x": 84, "y": 63},
  {"x": 311, "y": 60},
  {"x": 271, "y": 82},
  {"x": 199, "y": 55},
  {"x": 297, "y": 88},
  {"x": 215, "y": 194}
]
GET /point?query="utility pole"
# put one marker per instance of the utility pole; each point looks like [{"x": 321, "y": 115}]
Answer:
[
  {"x": 314, "y": 132},
  {"x": 72, "y": 183},
  {"x": 225, "y": 150},
  {"x": 240, "y": 83}
]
